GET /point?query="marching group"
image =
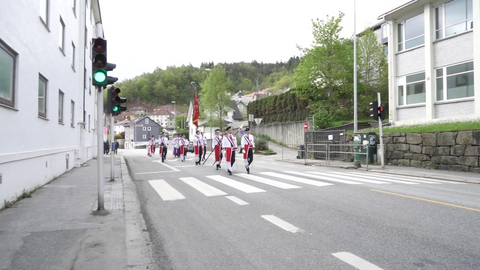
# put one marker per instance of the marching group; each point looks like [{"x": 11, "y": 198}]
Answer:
[{"x": 226, "y": 144}]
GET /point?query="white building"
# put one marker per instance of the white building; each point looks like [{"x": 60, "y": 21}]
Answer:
[
  {"x": 47, "y": 102},
  {"x": 163, "y": 117},
  {"x": 433, "y": 50}
]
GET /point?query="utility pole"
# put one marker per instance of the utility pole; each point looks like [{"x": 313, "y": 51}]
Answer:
[
  {"x": 112, "y": 158},
  {"x": 101, "y": 189},
  {"x": 355, "y": 117},
  {"x": 380, "y": 129}
]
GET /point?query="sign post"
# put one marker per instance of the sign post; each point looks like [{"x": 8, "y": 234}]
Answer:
[{"x": 305, "y": 126}]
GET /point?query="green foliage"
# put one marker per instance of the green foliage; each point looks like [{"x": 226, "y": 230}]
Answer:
[
  {"x": 122, "y": 134},
  {"x": 323, "y": 119},
  {"x": 117, "y": 137},
  {"x": 215, "y": 100},
  {"x": 286, "y": 107},
  {"x": 183, "y": 132},
  {"x": 181, "y": 121},
  {"x": 162, "y": 86},
  {"x": 261, "y": 144}
]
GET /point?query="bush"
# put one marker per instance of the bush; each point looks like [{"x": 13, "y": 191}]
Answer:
[
  {"x": 261, "y": 144},
  {"x": 122, "y": 134},
  {"x": 323, "y": 119},
  {"x": 118, "y": 136}
]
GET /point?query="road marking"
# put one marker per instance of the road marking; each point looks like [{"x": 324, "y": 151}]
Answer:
[
  {"x": 426, "y": 200},
  {"x": 356, "y": 261},
  {"x": 168, "y": 166},
  {"x": 393, "y": 177},
  {"x": 282, "y": 224},
  {"x": 297, "y": 179},
  {"x": 204, "y": 188},
  {"x": 325, "y": 178},
  {"x": 426, "y": 179},
  {"x": 267, "y": 181},
  {"x": 352, "y": 178},
  {"x": 235, "y": 184},
  {"x": 236, "y": 200},
  {"x": 383, "y": 179},
  {"x": 166, "y": 192},
  {"x": 156, "y": 172}
]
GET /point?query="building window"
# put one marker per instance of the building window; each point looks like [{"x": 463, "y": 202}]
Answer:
[
  {"x": 144, "y": 128},
  {"x": 75, "y": 7},
  {"x": 73, "y": 56},
  {"x": 149, "y": 128},
  {"x": 144, "y": 136},
  {"x": 60, "y": 106},
  {"x": 42, "y": 96},
  {"x": 86, "y": 37},
  {"x": 453, "y": 17},
  {"x": 415, "y": 90},
  {"x": 44, "y": 8},
  {"x": 8, "y": 59},
  {"x": 146, "y": 121},
  {"x": 61, "y": 37},
  {"x": 89, "y": 129},
  {"x": 411, "y": 33},
  {"x": 455, "y": 82},
  {"x": 89, "y": 86},
  {"x": 72, "y": 116}
]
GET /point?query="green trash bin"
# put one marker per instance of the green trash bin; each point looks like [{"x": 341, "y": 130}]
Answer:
[{"x": 363, "y": 143}]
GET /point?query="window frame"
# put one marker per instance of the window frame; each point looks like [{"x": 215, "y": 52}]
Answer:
[
  {"x": 403, "y": 84},
  {"x": 61, "y": 44},
  {"x": 444, "y": 78},
  {"x": 442, "y": 11},
  {"x": 402, "y": 30},
  {"x": 45, "y": 20},
  {"x": 74, "y": 7},
  {"x": 14, "y": 55},
  {"x": 73, "y": 56},
  {"x": 41, "y": 78},
  {"x": 72, "y": 116},
  {"x": 61, "y": 107}
]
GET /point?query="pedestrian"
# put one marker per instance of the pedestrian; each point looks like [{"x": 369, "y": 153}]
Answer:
[
  {"x": 198, "y": 147},
  {"x": 107, "y": 144},
  {"x": 229, "y": 143},
  {"x": 163, "y": 141},
  {"x": 117, "y": 145},
  {"x": 248, "y": 144},
  {"x": 217, "y": 147},
  {"x": 204, "y": 140},
  {"x": 176, "y": 145},
  {"x": 151, "y": 146},
  {"x": 183, "y": 142}
]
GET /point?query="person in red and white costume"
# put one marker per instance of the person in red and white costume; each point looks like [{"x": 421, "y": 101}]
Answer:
[
  {"x": 217, "y": 147},
  {"x": 248, "y": 146},
  {"x": 229, "y": 143},
  {"x": 163, "y": 143},
  {"x": 151, "y": 146},
  {"x": 204, "y": 141},
  {"x": 198, "y": 147},
  {"x": 183, "y": 142}
]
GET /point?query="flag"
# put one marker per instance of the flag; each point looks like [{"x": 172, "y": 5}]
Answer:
[{"x": 196, "y": 111}]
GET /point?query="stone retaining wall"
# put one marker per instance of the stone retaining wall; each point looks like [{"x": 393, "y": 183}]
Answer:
[{"x": 454, "y": 151}]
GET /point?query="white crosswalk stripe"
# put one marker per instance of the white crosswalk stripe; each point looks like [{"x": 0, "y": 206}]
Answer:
[
  {"x": 324, "y": 178},
  {"x": 386, "y": 176},
  {"x": 267, "y": 181},
  {"x": 235, "y": 184},
  {"x": 166, "y": 192},
  {"x": 431, "y": 181},
  {"x": 297, "y": 179},
  {"x": 383, "y": 179},
  {"x": 329, "y": 176},
  {"x": 204, "y": 188}
]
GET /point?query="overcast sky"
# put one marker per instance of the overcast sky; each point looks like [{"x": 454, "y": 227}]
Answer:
[{"x": 145, "y": 34}]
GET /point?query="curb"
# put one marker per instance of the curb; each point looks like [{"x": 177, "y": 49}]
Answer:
[{"x": 139, "y": 252}]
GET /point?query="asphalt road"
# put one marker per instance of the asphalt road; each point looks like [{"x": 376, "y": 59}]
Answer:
[{"x": 290, "y": 216}]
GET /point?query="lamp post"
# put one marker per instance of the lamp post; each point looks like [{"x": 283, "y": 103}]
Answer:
[{"x": 174, "y": 116}]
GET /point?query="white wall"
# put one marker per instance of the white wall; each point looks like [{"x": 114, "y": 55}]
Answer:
[{"x": 37, "y": 148}]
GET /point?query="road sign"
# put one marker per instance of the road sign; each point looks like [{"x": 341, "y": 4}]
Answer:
[{"x": 305, "y": 125}]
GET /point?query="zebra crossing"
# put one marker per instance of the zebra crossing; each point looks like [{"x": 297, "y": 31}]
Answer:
[{"x": 283, "y": 180}]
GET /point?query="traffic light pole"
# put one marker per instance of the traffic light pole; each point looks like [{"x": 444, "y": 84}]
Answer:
[
  {"x": 100, "y": 178},
  {"x": 112, "y": 155},
  {"x": 380, "y": 129}
]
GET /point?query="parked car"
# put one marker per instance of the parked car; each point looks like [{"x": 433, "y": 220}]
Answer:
[{"x": 190, "y": 147}]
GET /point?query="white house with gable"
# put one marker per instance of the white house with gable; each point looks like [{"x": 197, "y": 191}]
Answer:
[{"x": 46, "y": 96}]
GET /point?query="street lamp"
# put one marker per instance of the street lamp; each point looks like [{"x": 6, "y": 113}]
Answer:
[{"x": 174, "y": 116}]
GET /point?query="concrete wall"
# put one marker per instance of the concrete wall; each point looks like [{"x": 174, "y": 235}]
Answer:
[
  {"x": 290, "y": 134},
  {"x": 35, "y": 150}
]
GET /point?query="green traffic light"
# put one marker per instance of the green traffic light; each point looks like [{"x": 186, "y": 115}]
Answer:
[
  {"x": 100, "y": 76},
  {"x": 115, "y": 108}
]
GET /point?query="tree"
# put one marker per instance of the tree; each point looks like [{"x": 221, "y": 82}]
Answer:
[
  {"x": 214, "y": 97},
  {"x": 325, "y": 73},
  {"x": 372, "y": 70}
]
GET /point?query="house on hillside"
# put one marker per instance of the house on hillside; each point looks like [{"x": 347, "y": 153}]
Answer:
[
  {"x": 140, "y": 129},
  {"x": 139, "y": 110},
  {"x": 242, "y": 102},
  {"x": 433, "y": 52},
  {"x": 163, "y": 117},
  {"x": 126, "y": 116},
  {"x": 120, "y": 126}
]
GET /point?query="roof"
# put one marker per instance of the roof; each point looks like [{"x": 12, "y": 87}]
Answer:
[
  {"x": 409, "y": 6},
  {"x": 135, "y": 121},
  {"x": 266, "y": 90},
  {"x": 236, "y": 112},
  {"x": 139, "y": 108},
  {"x": 161, "y": 112}
]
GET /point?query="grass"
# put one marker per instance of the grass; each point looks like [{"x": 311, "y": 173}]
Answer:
[
  {"x": 25, "y": 194},
  {"x": 340, "y": 122},
  {"x": 430, "y": 128}
]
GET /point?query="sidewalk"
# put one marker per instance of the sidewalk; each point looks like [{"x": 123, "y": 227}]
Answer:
[
  {"x": 55, "y": 228},
  {"x": 290, "y": 155}
]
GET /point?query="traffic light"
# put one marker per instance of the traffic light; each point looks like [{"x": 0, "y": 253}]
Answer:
[
  {"x": 381, "y": 112},
  {"x": 374, "y": 109},
  {"x": 100, "y": 66},
  {"x": 114, "y": 102}
]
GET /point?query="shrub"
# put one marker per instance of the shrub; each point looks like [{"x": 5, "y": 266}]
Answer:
[
  {"x": 118, "y": 136},
  {"x": 122, "y": 134},
  {"x": 261, "y": 144}
]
